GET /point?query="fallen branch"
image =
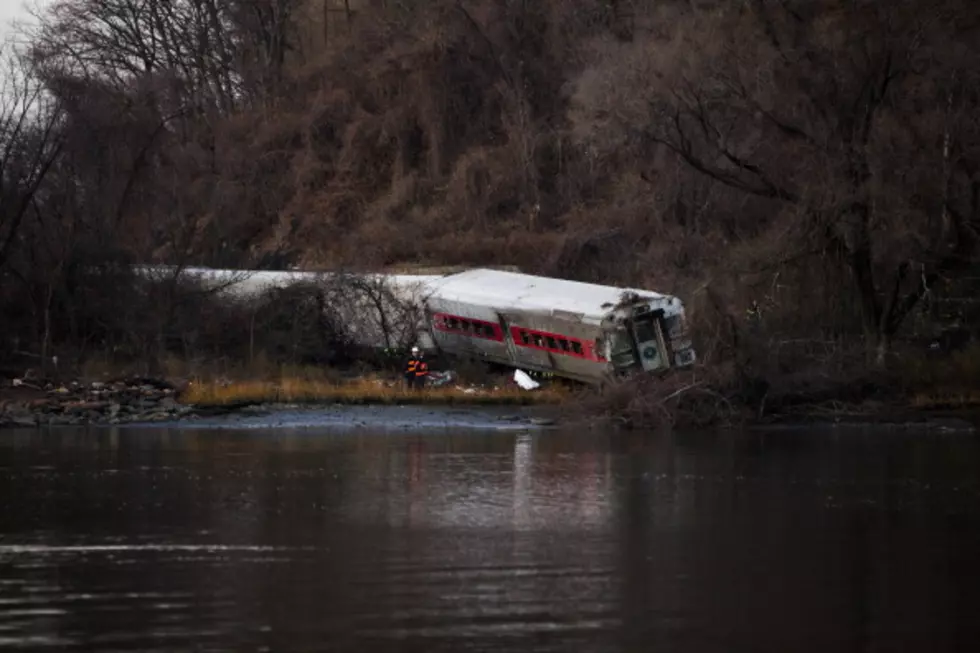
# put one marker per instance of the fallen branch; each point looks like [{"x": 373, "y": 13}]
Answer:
[{"x": 681, "y": 391}]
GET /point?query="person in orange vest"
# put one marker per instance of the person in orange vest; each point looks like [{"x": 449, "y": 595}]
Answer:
[
  {"x": 411, "y": 368},
  {"x": 421, "y": 371}
]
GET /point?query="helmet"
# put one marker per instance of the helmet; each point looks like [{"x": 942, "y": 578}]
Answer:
[{"x": 415, "y": 350}]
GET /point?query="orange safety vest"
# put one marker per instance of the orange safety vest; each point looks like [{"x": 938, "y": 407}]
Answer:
[
  {"x": 411, "y": 367},
  {"x": 422, "y": 369}
]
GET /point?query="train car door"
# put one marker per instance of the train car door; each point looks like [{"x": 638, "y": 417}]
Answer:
[
  {"x": 650, "y": 345},
  {"x": 508, "y": 338}
]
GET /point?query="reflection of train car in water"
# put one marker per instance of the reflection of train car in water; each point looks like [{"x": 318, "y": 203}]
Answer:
[{"x": 577, "y": 330}]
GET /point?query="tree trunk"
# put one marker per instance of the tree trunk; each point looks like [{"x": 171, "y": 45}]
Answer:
[
  {"x": 46, "y": 337},
  {"x": 882, "y": 349},
  {"x": 875, "y": 341},
  {"x": 251, "y": 339}
]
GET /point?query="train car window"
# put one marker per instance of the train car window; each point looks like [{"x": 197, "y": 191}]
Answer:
[
  {"x": 551, "y": 343},
  {"x": 577, "y": 347},
  {"x": 538, "y": 340},
  {"x": 525, "y": 337},
  {"x": 488, "y": 331},
  {"x": 564, "y": 344},
  {"x": 453, "y": 323}
]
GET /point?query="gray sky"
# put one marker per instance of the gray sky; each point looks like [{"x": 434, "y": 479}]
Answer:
[{"x": 11, "y": 10}]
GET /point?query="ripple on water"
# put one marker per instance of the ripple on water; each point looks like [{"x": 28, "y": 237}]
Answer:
[{"x": 164, "y": 540}]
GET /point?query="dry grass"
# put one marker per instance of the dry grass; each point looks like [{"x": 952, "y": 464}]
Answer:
[
  {"x": 949, "y": 382},
  {"x": 363, "y": 391},
  {"x": 946, "y": 399}
]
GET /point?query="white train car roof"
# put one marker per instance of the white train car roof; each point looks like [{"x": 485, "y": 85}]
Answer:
[
  {"x": 510, "y": 290},
  {"x": 246, "y": 283},
  {"x": 498, "y": 289}
]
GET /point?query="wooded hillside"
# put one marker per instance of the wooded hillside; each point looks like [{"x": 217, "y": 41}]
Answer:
[{"x": 803, "y": 174}]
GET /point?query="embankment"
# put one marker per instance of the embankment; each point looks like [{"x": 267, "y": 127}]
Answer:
[
  {"x": 148, "y": 400},
  {"x": 702, "y": 398}
]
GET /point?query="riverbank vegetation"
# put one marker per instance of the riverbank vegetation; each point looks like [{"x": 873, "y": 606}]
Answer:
[
  {"x": 714, "y": 395},
  {"x": 805, "y": 176},
  {"x": 360, "y": 391}
]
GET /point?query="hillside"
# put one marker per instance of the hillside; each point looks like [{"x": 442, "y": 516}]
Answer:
[{"x": 805, "y": 175}]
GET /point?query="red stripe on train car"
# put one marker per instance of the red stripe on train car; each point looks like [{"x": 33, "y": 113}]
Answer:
[
  {"x": 467, "y": 326},
  {"x": 577, "y": 348}
]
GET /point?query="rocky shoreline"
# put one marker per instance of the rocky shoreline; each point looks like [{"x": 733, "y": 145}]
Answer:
[
  {"x": 33, "y": 403},
  {"x": 121, "y": 401}
]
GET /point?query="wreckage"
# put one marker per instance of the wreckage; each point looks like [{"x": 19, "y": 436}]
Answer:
[
  {"x": 577, "y": 330},
  {"x": 582, "y": 331}
]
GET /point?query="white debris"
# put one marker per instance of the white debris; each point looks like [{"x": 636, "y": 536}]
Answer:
[{"x": 522, "y": 379}]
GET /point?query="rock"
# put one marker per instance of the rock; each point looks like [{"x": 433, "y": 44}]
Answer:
[
  {"x": 114, "y": 409},
  {"x": 84, "y": 406},
  {"x": 168, "y": 403}
]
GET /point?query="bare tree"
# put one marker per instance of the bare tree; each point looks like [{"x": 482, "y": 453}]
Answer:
[
  {"x": 852, "y": 122},
  {"x": 372, "y": 309},
  {"x": 30, "y": 142},
  {"x": 212, "y": 55}
]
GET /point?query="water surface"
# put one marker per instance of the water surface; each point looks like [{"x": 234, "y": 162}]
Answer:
[{"x": 308, "y": 540}]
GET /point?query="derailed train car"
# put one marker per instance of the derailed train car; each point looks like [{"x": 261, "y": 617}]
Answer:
[
  {"x": 582, "y": 331},
  {"x": 376, "y": 311}
]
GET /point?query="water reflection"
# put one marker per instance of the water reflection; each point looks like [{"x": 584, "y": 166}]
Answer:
[{"x": 298, "y": 540}]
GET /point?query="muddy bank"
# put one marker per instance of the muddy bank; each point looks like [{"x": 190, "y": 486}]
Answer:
[{"x": 149, "y": 401}]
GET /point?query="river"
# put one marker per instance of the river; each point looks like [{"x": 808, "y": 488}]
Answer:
[{"x": 306, "y": 539}]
